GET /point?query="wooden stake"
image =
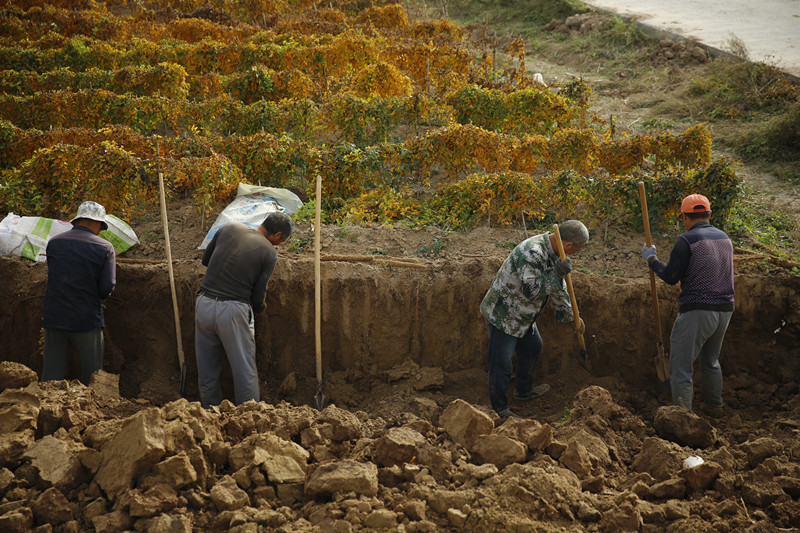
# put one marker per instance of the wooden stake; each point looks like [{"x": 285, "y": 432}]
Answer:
[{"x": 317, "y": 293}]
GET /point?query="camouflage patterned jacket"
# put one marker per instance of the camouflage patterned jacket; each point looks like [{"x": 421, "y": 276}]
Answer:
[{"x": 522, "y": 287}]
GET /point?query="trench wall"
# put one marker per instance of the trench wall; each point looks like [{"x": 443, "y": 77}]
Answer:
[{"x": 374, "y": 318}]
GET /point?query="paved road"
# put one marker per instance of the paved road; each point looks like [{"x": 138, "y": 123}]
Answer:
[{"x": 769, "y": 28}]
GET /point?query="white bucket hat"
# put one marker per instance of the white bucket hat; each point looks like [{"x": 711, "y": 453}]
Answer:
[{"x": 92, "y": 211}]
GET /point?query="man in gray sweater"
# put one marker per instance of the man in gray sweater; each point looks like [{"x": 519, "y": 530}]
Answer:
[{"x": 240, "y": 261}]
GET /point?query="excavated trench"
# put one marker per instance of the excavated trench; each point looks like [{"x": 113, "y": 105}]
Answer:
[{"x": 378, "y": 319}]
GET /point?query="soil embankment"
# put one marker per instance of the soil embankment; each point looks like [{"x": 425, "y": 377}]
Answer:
[{"x": 406, "y": 440}]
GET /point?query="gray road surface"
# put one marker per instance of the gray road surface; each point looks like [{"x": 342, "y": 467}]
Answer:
[{"x": 769, "y": 28}]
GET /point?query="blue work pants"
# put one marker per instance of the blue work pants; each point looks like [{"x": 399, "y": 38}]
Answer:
[{"x": 501, "y": 351}]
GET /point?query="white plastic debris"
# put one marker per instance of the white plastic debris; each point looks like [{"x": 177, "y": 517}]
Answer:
[
  {"x": 28, "y": 236},
  {"x": 692, "y": 461},
  {"x": 252, "y": 204}
]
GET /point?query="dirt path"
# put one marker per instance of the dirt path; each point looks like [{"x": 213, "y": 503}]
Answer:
[{"x": 770, "y": 28}]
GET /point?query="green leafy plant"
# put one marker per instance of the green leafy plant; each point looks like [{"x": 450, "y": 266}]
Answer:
[
  {"x": 404, "y": 124},
  {"x": 297, "y": 245},
  {"x": 307, "y": 213},
  {"x": 436, "y": 247},
  {"x": 344, "y": 234}
]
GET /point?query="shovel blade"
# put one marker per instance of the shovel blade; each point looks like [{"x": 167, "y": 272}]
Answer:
[
  {"x": 586, "y": 360},
  {"x": 583, "y": 360},
  {"x": 319, "y": 401},
  {"x": 319, "y": 398},
  {"x": 182, "y": 389},
  {"x": 662, "y": 363},
  {"x": 662, "y": 369}
]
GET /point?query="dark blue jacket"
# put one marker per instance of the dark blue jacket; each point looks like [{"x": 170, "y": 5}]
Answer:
[
  {"x": 702, "y": 260},
  {"x": 81, "y": 271}
]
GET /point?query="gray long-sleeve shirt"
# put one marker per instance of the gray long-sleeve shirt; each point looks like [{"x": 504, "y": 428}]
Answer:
[{"x": 240, "y": 261}]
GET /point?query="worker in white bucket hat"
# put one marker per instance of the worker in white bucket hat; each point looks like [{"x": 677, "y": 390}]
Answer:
[
  {"x": 92, "y": 211},
  {"x": 81, "y": 272}
]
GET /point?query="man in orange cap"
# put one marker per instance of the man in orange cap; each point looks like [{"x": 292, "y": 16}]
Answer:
[{"x": 702, "y": 260}]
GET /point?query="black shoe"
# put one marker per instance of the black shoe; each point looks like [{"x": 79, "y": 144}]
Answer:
[
  {"x": 507, "y": 413},
  {"x": 535, "y": 392}
]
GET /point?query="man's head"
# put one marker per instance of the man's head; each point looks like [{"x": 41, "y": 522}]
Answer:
[
  {"x": 695, "y": 207},
  {"x": 574, "y": 235},
  {"x": 277, "y": 227},
  {"x": 91, "y": 215}
]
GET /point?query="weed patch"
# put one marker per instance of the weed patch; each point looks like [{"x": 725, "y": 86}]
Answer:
[
  {"x": 748, "y": 220},
  {"x": 736, "y": 87},
  {"x": 778, "y": 140}
]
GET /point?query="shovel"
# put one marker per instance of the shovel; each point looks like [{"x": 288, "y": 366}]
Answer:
[
  {"x": 662, "y": 363},
  {"x": 583, "y": 355},
  {"x": 181, "y": 359},
  {"x": 319, "y": 398}
]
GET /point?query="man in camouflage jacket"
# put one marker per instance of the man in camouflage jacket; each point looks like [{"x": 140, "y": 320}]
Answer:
[{"x": 528, "y": 278}]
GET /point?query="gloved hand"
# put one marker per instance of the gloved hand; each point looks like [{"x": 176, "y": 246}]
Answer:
[
  {"x": 648, "y": 252},
  {"x": 581, "y": 329},
  {"x": 563, "y": 267}
]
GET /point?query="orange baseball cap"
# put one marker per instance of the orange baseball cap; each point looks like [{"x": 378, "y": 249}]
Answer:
[{"x": 695, "y": 203}]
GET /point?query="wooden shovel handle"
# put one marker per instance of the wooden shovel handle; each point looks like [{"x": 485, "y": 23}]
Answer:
[
  {"x": 648, "y": 242},
  {"x": 163, "y": 201},
  {"x": 317, "y": 284},
  {"x": 575, "y": 313}
]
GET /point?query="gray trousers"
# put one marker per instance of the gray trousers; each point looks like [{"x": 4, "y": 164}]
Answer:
[
  {"x": 220, "y": 328},
  {"x": 697, "y": 334},
  {"x": 88, "y": 344}
]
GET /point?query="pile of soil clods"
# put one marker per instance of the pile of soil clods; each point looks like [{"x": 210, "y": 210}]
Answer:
[{"x": 76, "y": 458}]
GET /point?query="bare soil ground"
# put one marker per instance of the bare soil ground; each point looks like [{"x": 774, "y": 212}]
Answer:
[{"x": 401, "y": 343}]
